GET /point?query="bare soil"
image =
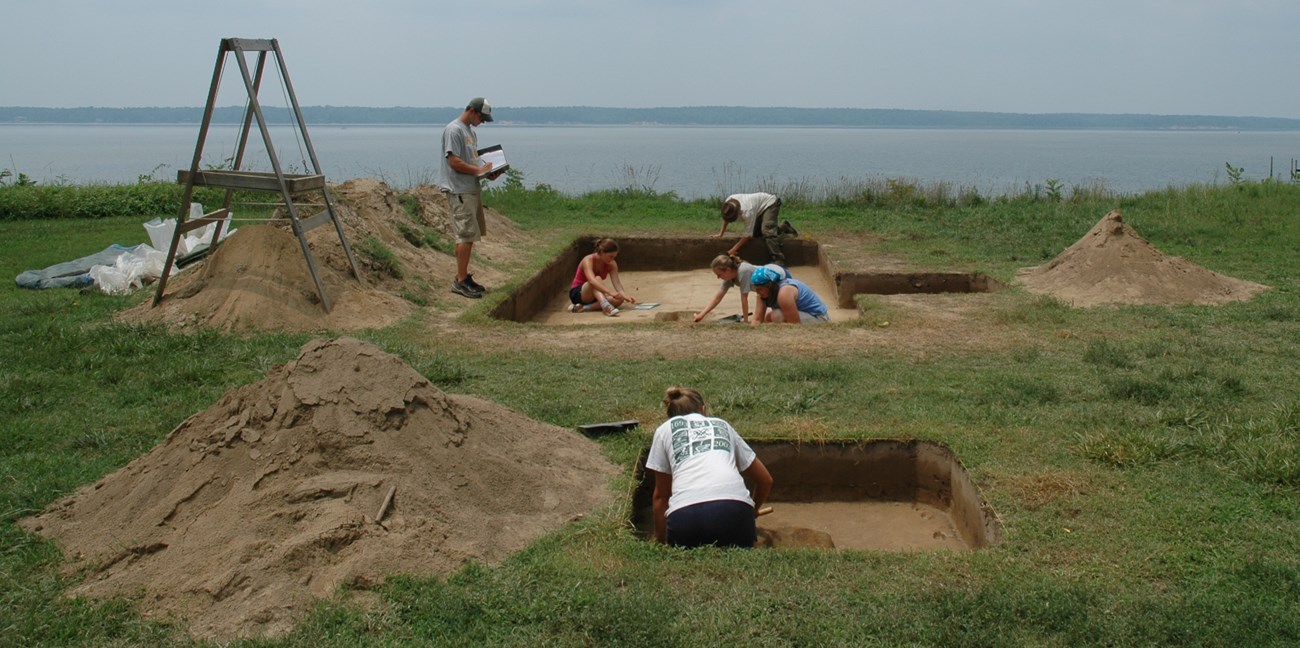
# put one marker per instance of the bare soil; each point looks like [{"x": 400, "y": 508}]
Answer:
[
  {"x": 271, "y": 498},
  {"x": 258, "y": 278},
  {"x": 881, "y": 526},
  {"x": 680, "y": 294},
  {"x": 1112, "y": 264}
]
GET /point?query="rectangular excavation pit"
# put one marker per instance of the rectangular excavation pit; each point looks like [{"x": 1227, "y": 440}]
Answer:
[
  {"x": 880, "y": 495},
  {"x": 674, "y": 272},
  {"x": 851, "y": 284}
]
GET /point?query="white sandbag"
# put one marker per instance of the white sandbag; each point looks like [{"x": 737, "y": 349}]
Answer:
[
  {"x": 160, "y": 232},
  {"x": 130, "y": 271}
]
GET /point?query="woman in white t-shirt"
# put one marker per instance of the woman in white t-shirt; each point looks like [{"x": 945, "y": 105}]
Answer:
[
  {"x": 734, "y": 272},
  {"x": 701, "y": 466}
]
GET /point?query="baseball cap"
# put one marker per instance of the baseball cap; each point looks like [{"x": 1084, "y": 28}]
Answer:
[
  {"x": 763, "y": 276},
  {"x": 482, "y": 107}
]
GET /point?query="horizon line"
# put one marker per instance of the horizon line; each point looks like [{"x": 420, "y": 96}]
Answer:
[{"x": 711, "y": 107}]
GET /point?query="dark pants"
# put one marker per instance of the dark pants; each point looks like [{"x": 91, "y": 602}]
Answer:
[
  {"x": 725, "y": 523},
  {"x": 769, "y": 222}
]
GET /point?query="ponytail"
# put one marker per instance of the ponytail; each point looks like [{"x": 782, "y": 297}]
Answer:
[
  {"x": 683, "y": 400},
  {"x": 725, "y": 261}
]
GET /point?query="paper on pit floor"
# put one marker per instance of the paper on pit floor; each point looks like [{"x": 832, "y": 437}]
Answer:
[{"x": 646, "y": 306}]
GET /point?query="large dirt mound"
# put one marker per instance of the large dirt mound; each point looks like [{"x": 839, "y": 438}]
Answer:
[
  {"x": 258, "y": 278},
  {"x": 268, "y": 499},
  {"x": 1111, "y": 264}
]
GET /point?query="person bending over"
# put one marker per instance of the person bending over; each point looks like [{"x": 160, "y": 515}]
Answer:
[
  {"x": 786, "y": 300},
  {"x": 759, "y": 214},
  {"x": 701, "y": 466},
  {"x": 734, "y": 272}
]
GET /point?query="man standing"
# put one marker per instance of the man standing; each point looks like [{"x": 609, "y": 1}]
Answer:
[
  {"x": 461, "y": 172},
  {"x": 759, "y": 214}
]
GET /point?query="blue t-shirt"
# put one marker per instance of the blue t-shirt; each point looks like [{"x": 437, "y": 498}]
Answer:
[{"x": 807, "y": 301}]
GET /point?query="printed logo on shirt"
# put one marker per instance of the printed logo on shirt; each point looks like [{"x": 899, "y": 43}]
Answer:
[{"x": 694, "y": 437}]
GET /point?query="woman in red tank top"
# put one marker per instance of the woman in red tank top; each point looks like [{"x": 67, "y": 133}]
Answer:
[{"x": 596, "y": 281}]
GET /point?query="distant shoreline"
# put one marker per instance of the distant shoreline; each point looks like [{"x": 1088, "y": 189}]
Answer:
[
  {"x": 508, "y": 124},
  {"x": 712, "y": 116}
]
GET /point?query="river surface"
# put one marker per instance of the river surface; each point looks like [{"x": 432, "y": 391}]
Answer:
[{"x": 693, "y": 162}]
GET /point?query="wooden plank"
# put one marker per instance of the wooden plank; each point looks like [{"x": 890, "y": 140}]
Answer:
[
  {"x": 601, "y": 429},
  {"x": 251, "y": 180},
  {"x": 196, "y": 223},
  {"x": 383, "y": 508},
  {"x": 251, "y": 44},
  {"x": 315, "y": 221}
]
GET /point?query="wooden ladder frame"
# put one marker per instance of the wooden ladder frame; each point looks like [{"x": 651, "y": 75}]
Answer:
[{"x": 234, "y": 179}]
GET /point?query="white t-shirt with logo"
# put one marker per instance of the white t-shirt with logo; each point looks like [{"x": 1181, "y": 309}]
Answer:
[{"x": 705, "y": 456}]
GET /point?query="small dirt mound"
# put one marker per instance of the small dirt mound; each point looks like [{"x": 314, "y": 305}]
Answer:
[
  {"x": 1111, "y": 264},
  {"x": 268, "y": 499}
]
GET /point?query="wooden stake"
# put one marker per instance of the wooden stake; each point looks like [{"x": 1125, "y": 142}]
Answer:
[{"x": 383, "y": 508}]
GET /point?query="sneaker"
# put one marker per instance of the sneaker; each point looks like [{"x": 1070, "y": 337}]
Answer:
[
  {"x": 473, "y": 285},
  {"x": 576, "y": 308},
  {"x": 609, "y": 308},
  {"x": 463, "y": 290},
  {"x": 787, "y": 228}
]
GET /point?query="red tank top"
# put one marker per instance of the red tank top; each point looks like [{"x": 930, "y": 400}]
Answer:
[{"x": 580, "y": 278}]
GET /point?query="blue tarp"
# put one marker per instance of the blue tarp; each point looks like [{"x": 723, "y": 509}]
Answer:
[{"x": 74, "y": 273}]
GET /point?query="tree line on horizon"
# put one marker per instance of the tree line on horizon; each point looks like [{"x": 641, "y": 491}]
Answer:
[{"x": 674, "y": 116}]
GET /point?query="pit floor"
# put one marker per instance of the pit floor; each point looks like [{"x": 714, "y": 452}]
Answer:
[
  {"x": 685, "y": 292},
  {"x": 882, "y": 526}
]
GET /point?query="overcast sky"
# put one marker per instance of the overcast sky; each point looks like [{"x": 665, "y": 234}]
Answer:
[{"x": 1182, "y": 57}]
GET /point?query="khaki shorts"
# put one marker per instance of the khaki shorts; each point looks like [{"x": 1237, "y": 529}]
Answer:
[{"x": 467, "y": 223}]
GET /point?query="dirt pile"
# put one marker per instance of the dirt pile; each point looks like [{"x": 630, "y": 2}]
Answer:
[
  {"x": 1112, "y": 264},
  {"x": 252, "y": 508},
  {"x": 258, "y": 278}
]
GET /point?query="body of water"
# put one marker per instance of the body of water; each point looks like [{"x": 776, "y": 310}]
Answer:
[{"x": 693, "y": 162}]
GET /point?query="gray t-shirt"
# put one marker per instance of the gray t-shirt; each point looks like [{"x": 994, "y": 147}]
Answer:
[{"x": 458, "y": 139}]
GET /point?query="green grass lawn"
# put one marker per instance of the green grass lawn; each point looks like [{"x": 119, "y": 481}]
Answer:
[{"x": 1145, "y": 460}]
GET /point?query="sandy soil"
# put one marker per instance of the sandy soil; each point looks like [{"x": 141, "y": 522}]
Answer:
[
  {"x": 681, "y": 294},
  {"x": 1112, "y": 264},
  {"x": 882, "y": 526},
  {"x": 275, "y": 495}
]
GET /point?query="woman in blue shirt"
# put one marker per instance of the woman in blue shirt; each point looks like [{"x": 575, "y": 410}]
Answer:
[{"x": 786, "y": 300}]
